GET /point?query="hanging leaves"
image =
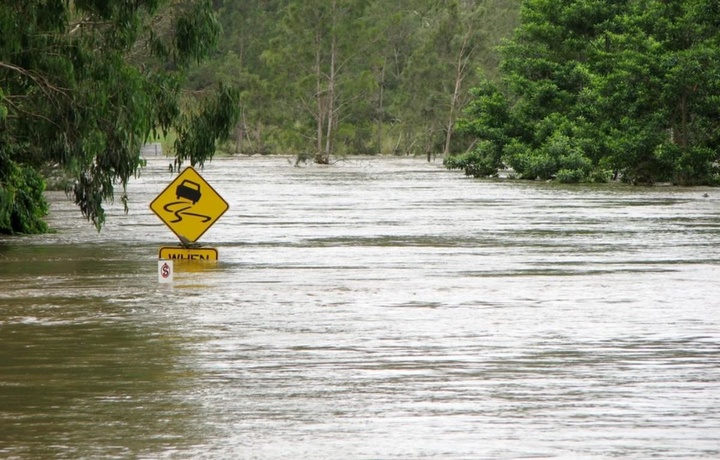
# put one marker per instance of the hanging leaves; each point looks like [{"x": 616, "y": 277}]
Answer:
[{"x": 86, "y": 83}]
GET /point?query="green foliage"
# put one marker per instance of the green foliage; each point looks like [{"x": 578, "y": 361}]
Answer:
[
  {"x": 355, "y": 76},
  {"x": 596, "y": 88},
  {"x": 196, "y": 33},
  {"x": 22, "y": 204},
  {"x": 487, "y": 116},
  {"x": 482, "y": 161},
  {"x": 3, "y": 109},
  {"x": 87, "y": 83},
  {"x": 201, "y": 129}
]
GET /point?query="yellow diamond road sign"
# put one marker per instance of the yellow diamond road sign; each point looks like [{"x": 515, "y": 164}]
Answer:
[{"x": 189, "y": 205}]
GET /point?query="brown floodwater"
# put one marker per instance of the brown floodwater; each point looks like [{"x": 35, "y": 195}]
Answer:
[{"x": 373, "y": 308}]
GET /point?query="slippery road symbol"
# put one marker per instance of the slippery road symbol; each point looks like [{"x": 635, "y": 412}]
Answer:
[
  {"x": 189, "y": 205},
  {"x": 188, "y": 190},
  {"x": 179, "y": 213}
]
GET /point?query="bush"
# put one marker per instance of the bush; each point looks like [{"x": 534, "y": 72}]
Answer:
[
  {"x": 22, "y": 204},
  {"x": 483, "y": 161},
  {"x": 600, "y": 176},
  {"x": 570, "y": 176},
  {"x": 695, "y": 167}
]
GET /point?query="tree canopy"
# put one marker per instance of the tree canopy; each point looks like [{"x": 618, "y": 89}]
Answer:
[
  {"x": 85, "y": 83},
  {"x": 338, "y": 77},
  {"x": 592, "y": 90}
]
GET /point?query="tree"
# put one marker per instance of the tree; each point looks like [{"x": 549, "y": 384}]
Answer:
[
  {"x": 487, "y": 117},
  {"x": 248, "y": 27},
  {"x": 454, "y": 39},
  {"x": 316, "y": 52},
  {"x": 86, "y": 83},
  {"x": 548, "y": 67},
  {"x": 466, "y": 17},
  {"x": 666, "y": 53},
  {"x": 355, "y": 76},
  {"x": 590, "y": 88}
]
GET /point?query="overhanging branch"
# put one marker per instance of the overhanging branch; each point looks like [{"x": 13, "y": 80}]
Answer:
[{"x": 42, "y": 82}]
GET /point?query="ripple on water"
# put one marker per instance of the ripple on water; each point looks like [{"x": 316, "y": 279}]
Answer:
[{"x": 375, "y": 308}]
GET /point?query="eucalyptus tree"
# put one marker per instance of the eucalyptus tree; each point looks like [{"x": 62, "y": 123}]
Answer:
[
  {"x": 393, "y": 28},
  {"x": 465, "y": 18},
  {"x": 316, "y": 53},
  {"x": 454, "y": 38},
  {"x": 248, "y": 28},
  {"x": 85, "y": 83}
]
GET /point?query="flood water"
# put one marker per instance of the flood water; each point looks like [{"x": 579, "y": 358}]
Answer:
[{"x": 370, "y": 309}]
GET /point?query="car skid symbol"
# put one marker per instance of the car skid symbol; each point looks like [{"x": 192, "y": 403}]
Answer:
[{"x": 189, "y": 190}]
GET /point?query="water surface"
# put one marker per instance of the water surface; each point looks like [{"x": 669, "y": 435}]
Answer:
[{"x": 374, "y": 308}]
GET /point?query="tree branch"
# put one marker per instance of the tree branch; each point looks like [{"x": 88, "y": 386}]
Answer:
[{"x": 39, "y": 80}]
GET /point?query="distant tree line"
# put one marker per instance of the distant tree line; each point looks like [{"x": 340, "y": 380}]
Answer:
[
  {"x": 335, "y": 77},
  {"x": 85, "y": 83},
  {"x": 592, "y": 91},
  {"x": 582, "y": 90}
]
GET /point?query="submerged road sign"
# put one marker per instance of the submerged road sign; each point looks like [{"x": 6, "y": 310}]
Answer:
[
  {"x": 189, "y": 205},
  {"x": 179, "y": 253}
]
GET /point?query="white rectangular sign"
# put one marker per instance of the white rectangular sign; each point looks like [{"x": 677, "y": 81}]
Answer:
[{"x": 165, "y": 271}]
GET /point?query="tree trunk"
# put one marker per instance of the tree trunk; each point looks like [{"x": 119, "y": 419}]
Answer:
[
  {"x": 429, "y": 142},
  {"x": 259, "y": 137},
  {"x": 685, "y": 137},
  {"x": 460, "y": 68},
  {"x": 239, "y": 137},
  {"x": 451, "y": 116},
  {"x": 329, "y": 133},
  {"x": 331, "y": 104},
  {"x": 380, "y": 109},
  {"x": 247, "y": 133},
  {"x": 319, "y": 95}
]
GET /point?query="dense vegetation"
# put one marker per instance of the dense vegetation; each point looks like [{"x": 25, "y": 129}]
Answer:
[
  {"x": 85, "y": 83},
  {"x": 329, "y": 77},
  {"x": 596, "y": 90},
  {"x": 582, "y": 90}
]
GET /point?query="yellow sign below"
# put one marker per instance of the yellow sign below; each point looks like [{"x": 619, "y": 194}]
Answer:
[
  {"x": 179, "y": 253},
  {"x": 189, "y": 205}
]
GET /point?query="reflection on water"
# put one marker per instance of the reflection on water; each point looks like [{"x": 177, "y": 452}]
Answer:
[{"x": 375, "y": 308}]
